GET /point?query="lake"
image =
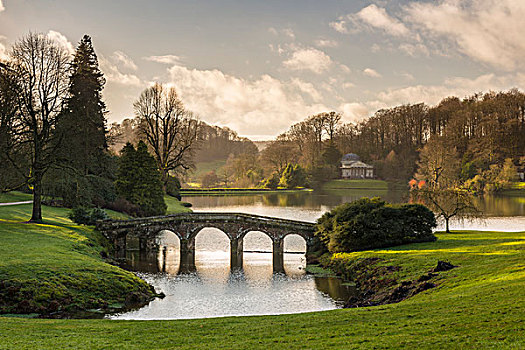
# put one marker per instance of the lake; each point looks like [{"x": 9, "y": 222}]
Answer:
[{"x": 215, "y": 291}]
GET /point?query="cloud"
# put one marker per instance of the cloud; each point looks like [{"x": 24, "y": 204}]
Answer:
[
  {"x": 489, "y": 31},
  {"x": 260, "y": 106},
  {"x": 165, "y": 59},
  {"x": 354, "y": 111},
  {"x": 326, "y": 43},
  {"x": 61, "y": 40},
  {"x": 453, "y": 86},
  {"x": 378, "y": 18},
  {"x": 371, "y": 73},
  {"x": 124, "y": 60},
  {"x": 372, "y": 17},
  {"x": 414, "y": 50},
  {"x": 309, "y": 59},
  {"x": 339, "y": 26},
  {"x": 2, "y": 8},
  {"x": 114, "y": 75}
]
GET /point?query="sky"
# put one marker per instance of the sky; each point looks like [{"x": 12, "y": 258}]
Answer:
[{"x": 260, "y": 66}]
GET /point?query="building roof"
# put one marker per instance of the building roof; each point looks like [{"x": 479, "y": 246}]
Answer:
[
  {"x": 357, "y": 164},
  {"x": 351, "y": 157}
]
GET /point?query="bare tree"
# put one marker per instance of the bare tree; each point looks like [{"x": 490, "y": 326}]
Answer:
[
  {"x": 41, "y": 68},
  {"x": 168, "y": 128}
]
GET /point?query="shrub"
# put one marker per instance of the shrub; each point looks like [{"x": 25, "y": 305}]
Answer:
[
  {"x": 84, "y": 216},
  {"x": 372, "y": 223},
  {"x": 173, "y": 187},
  {"x": 293, "y": 176},
  {"x": 272, "y": 181}
]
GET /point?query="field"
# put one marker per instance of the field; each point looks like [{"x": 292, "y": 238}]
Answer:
[{"x": 479, "y": 304}]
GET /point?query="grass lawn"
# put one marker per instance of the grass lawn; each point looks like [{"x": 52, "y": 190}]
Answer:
[
  {"x": 175, "y": 206},
  {"x": 480, "y": 304},
  {"x": 237, "y": 191},
  {"x": 15, "y": 196},
  {"x": 356, "y": 184}
]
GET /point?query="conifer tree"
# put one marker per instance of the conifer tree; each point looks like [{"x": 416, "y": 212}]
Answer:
[
  {"x": 85, "y": 174},
  {"x": 139, "y": 180},
  {"x": 83, "y": 123}
]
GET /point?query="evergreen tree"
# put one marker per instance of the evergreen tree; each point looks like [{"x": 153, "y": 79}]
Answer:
[
  {"x": 87, "y": 172},
  {"x": 139, "y": 180},
  {"x": 83, "y": 122}
]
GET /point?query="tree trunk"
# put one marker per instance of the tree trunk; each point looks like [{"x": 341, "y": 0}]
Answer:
[
  {"x": 37, "y": 199},
  {"x": 446, "y": 222}
]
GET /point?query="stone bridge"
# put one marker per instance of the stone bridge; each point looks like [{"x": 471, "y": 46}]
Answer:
[{"x": 187, "y": 225}]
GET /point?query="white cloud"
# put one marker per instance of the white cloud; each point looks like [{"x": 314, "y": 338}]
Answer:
[
  {"x": 165, "y": 59},
  {"x": 354, "y": 111},
  {"x": 378, "y": 18},
  {"x": 489, "y": 31},
  {"x": 289, "y": 33},
  {"x": 309, "y": 59},
  {"x": 344, "y": 68},
  {"x": 307, "y": 88},
  {"x": 114, "y": 75},
  {"x": 454, "y": 86},
  {"x": 371, "y": 73},
  {"x": 61, "y": 40},
  {"x": 339, "y": 26},
  {"x": 2, "y": 8},
  {"x": 260, "y": 106},
  {"x": 326, "y": 43},
  {"x": 124, "y": 60},
  {"x": 414, "y": 50}
]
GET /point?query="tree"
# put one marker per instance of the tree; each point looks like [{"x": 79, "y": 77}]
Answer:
[
  {"x": 138, "y": 180},
  {"x": 279, "y": 154},
  {"x": 448, "y": 204},
  {"x": 439, "y": 164},
  {"x": 40, "y": 67},
  {"x": 82, "y": 124},
  {"x": 10, "y": 177},
  {"x": 293, "y": 176},
  {"x": 168, "y": 129},
  {"x": 86, "y": 170}
]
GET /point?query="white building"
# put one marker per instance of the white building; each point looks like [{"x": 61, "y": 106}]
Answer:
[{"x": 353, "y": 168}]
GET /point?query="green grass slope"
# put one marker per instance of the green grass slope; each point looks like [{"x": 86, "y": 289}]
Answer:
[
  {"x": 480, "y": 304},
  {"x": 343, "y": 184},
  {"x": 15, "y": 196},
  {"x": 57, "y": 266}
]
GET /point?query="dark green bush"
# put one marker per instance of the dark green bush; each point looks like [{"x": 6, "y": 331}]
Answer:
[
  {"x": 84, "y": 216},
  {"x": 173, "y": 187},
  {"x": 372, "y": 223}
]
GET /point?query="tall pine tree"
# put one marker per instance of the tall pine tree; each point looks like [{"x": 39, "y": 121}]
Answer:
[
  {"x": 87, "y": 173},
  {"x": 83, "y": 122}
]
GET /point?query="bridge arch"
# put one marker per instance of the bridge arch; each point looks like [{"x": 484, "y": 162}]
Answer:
[
  {"x": 292, "y": 240},
  {"x": 263, "y": 237}
]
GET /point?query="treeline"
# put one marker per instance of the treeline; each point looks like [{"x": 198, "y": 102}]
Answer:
[{"x": 481, "y": 132}]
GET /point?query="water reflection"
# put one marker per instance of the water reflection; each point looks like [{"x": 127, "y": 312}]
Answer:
[{"x": 214, "y": 290}]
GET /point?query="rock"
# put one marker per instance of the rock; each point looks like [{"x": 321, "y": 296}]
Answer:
[{"x": 443, "y": 266}]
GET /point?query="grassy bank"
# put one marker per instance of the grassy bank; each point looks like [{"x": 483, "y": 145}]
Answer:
[
  {"x": 175, "y": 206},
  {"x": 367, "y": 184},
  {"x": 237, "y": 191},
  {"x": 58, "y": 267},
  {"x": 477, "y": 305}
]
